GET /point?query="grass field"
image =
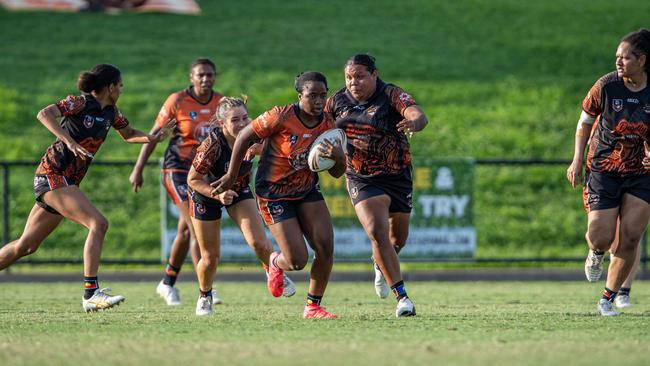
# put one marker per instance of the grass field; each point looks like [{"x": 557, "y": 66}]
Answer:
[
  {"x": 483, "y": 323},
  {"x": 498, "y": 79}
]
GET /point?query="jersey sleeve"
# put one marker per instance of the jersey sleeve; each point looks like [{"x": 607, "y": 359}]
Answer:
[
  {"x": 593, "y": 103},
  {"x": 120, "y": 121},
  {"x": 71, "y": 105},
  {"x": 399, "y": 99},
  {"x": 267, "y": 124},
  {"x": 168, "y": 111},
  {"x": 206, "y": 155}
]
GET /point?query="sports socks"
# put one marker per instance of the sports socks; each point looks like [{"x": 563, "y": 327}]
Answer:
[
  {"x": 171, "y": 273},
  {"x": 609, "y": 295},
  {"x": 598, "y": 252},
  {"x": 90, "y": 286},
  {"x": 399, "y": 290},
  {"x": 313, "y": 299},
  {"x": 205, "y": 293},
  {"x": 625, "y": 291}
]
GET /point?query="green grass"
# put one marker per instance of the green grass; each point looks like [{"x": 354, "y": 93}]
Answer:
[
  {"x": 498, "y": 79},
  {"x": 502, "y": 323}
]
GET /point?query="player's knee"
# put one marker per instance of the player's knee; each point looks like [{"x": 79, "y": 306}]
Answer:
[
  {"x": 26, "y": 247},
  {"x": 297, "y": 263},
  {"x": 600, "y": 239},
  {"x": 210, "y": 259},
  {"x": 99, "y": 224}
]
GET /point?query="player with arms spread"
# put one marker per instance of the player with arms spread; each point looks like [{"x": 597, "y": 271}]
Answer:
[
  {"x": 193, "y": 109},
  {"x": 85, "y": 122},
  {"x": 288, "y": 195},
  {"x": 375, "y": 117},
  {"x": 618, "y": 162}
]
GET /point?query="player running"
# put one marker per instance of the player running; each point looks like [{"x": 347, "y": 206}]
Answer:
[
  {"x": 84, "y": 126},
  {"x": 211, "y": 160},
  {"x": 288, "y": 195},
  {"x": 375, "y": 117},
  {"x": 193, "y": 109}
]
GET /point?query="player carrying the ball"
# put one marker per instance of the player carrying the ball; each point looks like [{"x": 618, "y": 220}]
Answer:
[
  {"x": 287, "y": 191},
  {"x": 375, "y": 117}
]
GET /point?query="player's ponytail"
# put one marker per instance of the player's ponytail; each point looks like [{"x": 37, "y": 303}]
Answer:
[
  {"x": 226, "y": 104},
  {"x": 98, "y": 77},
  {"x": 640, "y": 42}
]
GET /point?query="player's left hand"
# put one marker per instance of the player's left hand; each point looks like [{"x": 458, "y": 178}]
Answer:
[
  {"x": 222, "y": 184},
  {"x": 255, "y": 149},
  {"x": 332, "y": 151},
  {"x": 406, "y": 126},
  {"x": 166, "y": 129}
]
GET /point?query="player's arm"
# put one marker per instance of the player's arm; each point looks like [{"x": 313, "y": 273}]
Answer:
[
  {"x": 197, "y": 182},
  {"x": 133, "y": 136},
  {"x": 414, "y": 120},
  {"x": 245, "y": 138},
  {"x": 145, "y": 152},
  {"x": 583, "y": 131},
  {"x": 48, "y": 117}
]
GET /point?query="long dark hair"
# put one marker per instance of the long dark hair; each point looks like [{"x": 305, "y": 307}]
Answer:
[
  {"x": 362, "y": 59},
  {"x": 98, "y": 77}
]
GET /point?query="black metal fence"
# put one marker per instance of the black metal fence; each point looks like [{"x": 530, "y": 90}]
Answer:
[{"x": 7, "y": 167}]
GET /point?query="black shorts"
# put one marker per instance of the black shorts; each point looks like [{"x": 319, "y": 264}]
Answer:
[
  {"x": 44, "y": 183},
  {"x": 279, "y": 210},
  {"x": 606, "y": 191},
  {"x": 398, "y": 187},
  {"x": 175, "y": 183},
  {"x": 209, "y": 209}
]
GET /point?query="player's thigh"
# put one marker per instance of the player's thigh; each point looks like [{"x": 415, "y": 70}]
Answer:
[
  {"x": 373, "y": 215},
  {"x": 245, "y": 215},
  {"x": 634, "y": 216},
  {"x": 184, "y": 220},
  {"x": 316, "y": 222},
  {"x": 40, "y": 224},
  {"x": 72, "y": 204},
  {"x": 289, "y": 236},
  {"x": 208, "y": 235}
]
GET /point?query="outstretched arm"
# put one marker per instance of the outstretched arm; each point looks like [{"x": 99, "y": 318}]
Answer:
[
  {"x": 133, "y": 136},
  {"x": 414, "y": 120}
]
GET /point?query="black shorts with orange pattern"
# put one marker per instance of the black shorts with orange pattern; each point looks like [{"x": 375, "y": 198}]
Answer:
[
  {"x": 280, "y": 210},
  {"x": 44, "y": 183},
  {"x": 606, "y": 191},
  {"x": 399, "y": 187},
  {"x": 209, "y": 209}
]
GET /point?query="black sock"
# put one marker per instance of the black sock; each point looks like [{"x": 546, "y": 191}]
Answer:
[
  {"x": 313, "y": 299},
  {"x": 609, "y": 295},
  {"x": 91, "y": 284},
  {"x": 206, "y": 293},
  {"x": 625, "y": 291},
  {"x": 598, "y": 252},
  {"x": 399, "y": 290},
  {"x": 171, "y": 273}
]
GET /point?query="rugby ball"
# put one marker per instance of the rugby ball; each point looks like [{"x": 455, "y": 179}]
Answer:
[{"x": 314, "y": 160}]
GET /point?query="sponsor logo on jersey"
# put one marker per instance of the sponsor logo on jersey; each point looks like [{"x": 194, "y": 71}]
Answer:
[
  {"x": 633, "y": 100},
  {"x": 646, "y": 108},
  {"x": 298, "y": 159},
  {"x": 205, "y": 111},
  {"x": 193, "y": 115},
  {"x": 371, "y": 111},
  {"x": 200, "y": 208},
  {"x": 617, "y": 105},
  {"x": 293, "y": 139}
]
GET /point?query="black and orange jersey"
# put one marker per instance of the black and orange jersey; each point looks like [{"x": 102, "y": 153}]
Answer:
[
  {"x": 213, "y": 158},
  {"x": 193, "y": 125},
  {"x": 623, "y": 119},
  {"x": 374, "y": 147},
  {"x": 88, "y": 124},
  {"x": 283, "y": 172}
]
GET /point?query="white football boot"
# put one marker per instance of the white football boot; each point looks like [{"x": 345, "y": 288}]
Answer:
[
  {"x": 169, "y": 293},
  {"x": 594, "y": 266},
  {"x": 204, "y": 306},
  {"x": 405, "y": 307},
  {"x": 381, "y": 287},
  {"x": 622, "y": 301},
  {"x": 101, "y": 300},
  {"x": 605, "y": 308}
]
